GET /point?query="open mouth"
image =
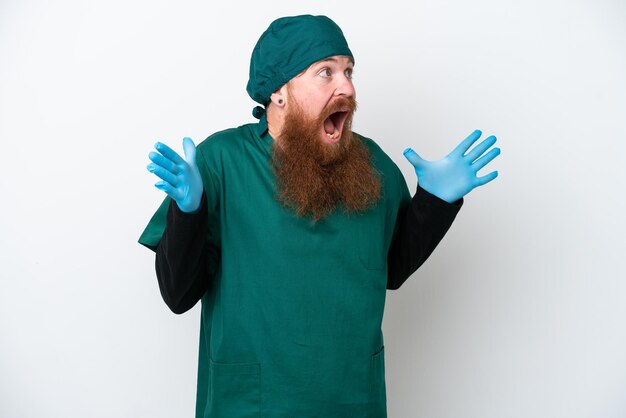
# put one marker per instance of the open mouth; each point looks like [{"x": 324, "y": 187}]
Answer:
[{"x": 333, "y": 125}]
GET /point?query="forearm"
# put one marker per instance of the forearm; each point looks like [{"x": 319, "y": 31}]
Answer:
[
  {"x": 182, "y": 258},
  {"x": 421, "y": 226}
]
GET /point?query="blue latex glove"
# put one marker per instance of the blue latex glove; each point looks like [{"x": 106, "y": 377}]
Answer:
[
  {"x": 455, "y": 176},
  {"x": 181, "y": 179}
]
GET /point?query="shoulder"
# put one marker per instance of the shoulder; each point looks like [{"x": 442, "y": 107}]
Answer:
[
  {"x": 394, "y": 183},
  {"x": 226, "y": 140},
  {"x": 228, "y": 151},
  {"x": 381, "y": 160}
]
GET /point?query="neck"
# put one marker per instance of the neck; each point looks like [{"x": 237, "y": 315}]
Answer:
[{"x": 275, "y": 120}]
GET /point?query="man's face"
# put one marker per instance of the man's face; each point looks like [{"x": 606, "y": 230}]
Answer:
[
  {"x": 319, "y": 163},
  {"x": 320, "y": 88}
]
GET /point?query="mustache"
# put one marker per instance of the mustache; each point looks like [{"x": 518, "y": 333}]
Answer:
[{"x": 340, "y": 104}]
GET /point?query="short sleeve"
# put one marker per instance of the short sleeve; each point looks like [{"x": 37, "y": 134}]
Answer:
[{"x": 153, "y": 232}]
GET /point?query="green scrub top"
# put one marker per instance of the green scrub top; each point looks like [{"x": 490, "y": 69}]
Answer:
[{"x": 291, "y": 323}]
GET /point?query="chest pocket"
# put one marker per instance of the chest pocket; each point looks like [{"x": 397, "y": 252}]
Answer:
[{"x": 234, "y": 390}]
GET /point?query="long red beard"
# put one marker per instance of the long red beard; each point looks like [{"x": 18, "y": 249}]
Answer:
[{"x": 314, "y": 177}]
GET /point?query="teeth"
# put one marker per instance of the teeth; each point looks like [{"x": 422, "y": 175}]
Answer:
[{"x": 334, "y": 135}]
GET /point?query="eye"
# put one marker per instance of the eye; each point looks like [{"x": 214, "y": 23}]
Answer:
[
  {"x": 325, "y": 72},
  {"x": 349, "y": 73}
]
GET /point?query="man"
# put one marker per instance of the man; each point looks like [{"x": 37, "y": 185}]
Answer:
[{"x": 290, "y": 231}]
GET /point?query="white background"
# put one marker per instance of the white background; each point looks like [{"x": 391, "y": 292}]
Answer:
[{"x": 519, "y": 313}]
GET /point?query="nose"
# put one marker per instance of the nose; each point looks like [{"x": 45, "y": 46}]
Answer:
[{"x": 345, "y": 87}]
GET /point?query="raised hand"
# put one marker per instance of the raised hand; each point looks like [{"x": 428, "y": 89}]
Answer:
[
  {"x": 455, "y": 175},
  {"x": 180, "y": 177}
]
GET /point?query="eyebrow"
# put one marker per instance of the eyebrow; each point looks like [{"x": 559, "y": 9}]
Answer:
[{"x": 329, "y": 59}]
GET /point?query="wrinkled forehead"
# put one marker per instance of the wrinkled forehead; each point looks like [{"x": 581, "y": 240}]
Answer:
[{"x": 338, "y": 60}]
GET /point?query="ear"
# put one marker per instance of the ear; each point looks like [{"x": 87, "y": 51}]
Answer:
[{"x": 278, "y": 97}]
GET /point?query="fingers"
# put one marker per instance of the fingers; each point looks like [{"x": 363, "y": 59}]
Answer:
[
  {"x": 169, "y": 189},
  {"x": 168, "y": 153},
  {"x": 171, "y": 168},
  {"x": 466, "y": 143},
  {"x": 163, "y": 174},
  {"x": 486, "y": 179},
  {"x": 413, "y": 158},
  {"x": 190, "y": 150},
  {"x": 481, "y": 148},
  {"x": 160, "y": 160},
  {"x": 485, "y": 159}
]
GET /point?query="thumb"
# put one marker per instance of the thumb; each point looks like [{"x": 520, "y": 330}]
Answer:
[
  {"x": 413, "y": 158},
  {"x": 190, "y": 150}
]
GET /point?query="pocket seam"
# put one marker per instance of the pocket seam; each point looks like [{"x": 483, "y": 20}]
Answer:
[
  {"x": 377, "y": 359},
  {"x": 367, "y": 264},
  {"x": 250, "y": 373}
]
